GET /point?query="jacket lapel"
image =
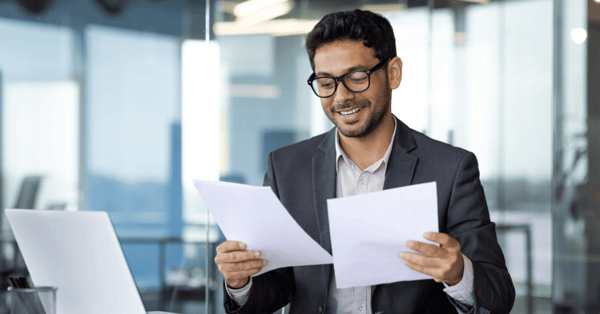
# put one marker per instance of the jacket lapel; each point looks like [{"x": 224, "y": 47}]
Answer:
[
  {"x": 401, "y": 165},
  {"x": 324, "y": 187}
]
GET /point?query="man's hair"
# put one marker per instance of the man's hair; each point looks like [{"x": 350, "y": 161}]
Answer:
[{"x": 374, "y": 30}]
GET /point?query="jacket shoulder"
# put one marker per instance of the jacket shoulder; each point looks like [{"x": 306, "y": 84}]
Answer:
[
  {"x": 437, "y": 150},
  {"x": 302, "y": 150}
]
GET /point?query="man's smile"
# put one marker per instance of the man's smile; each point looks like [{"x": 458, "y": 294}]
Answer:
[
  {"x": 349, "y": 115},
  {"x": 350, "y": 112}
]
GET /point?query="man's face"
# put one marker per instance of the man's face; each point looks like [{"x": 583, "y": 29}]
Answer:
[{"x": 354, "y": 114}]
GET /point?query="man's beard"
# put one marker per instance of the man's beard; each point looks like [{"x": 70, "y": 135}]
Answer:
[{"x": 372, "y": 121}]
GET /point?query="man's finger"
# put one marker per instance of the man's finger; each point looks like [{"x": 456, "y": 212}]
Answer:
[
  {"x": 237, "y": 256},
  {"x": 441, "y": 238},
  {"x": 243, "y": 266},
  {"x": 422, "y": 269},
  {"x": 229, "y": 246},
  {"x": 419, "y": 259},
  {"x": 425, "y": 248},
  {"x": 242, "y": 274}
]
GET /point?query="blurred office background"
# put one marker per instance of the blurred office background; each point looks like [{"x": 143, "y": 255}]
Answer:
[{"x": 115, "y": 105}]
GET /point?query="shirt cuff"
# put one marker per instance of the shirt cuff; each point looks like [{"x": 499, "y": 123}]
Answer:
[
  {"x": 463, "y": 291},
  {"x": 240, "y": 296}
]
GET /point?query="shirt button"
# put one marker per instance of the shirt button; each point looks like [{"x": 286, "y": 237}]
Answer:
[{"x": 320, "y": 309}]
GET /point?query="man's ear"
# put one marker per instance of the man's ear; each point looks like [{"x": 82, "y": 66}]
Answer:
[{"x": 395, "y": 72}]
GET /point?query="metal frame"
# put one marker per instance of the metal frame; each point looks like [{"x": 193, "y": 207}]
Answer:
[
  {"x": 526, "y": 229},
  {"x": 1, "y": 178},
  {"x": 207, "y": 295}
]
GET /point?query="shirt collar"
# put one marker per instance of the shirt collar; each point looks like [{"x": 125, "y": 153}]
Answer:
[{"x": 341, "y": 156}]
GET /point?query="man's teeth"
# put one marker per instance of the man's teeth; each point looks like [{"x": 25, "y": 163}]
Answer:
[{"x": 353, "y": 111}]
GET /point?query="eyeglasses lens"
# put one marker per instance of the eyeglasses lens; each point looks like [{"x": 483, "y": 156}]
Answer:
[{"x": 355, "y": 81}]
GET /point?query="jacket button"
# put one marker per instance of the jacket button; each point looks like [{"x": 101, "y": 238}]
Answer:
[{"x": 320, "y": 309}]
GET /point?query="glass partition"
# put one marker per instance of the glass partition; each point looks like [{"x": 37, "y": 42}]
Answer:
[
  {"x": 574, "y": 190},
  {"x": 478, "y": 76},
  {"x": 118, "y": 109},
  {"x": 92, "y": 120},
  {"x": 508, "y": 89},
  {"x": 39, "y": 143}
]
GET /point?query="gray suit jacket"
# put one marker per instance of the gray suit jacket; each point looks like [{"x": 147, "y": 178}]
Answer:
[{"x": 303, "y": 176}]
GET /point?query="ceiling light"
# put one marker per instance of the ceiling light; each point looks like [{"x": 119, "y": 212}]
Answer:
[
  {"x": 265, "y": 13},
  {"x": 285, "y": 27},
  {"x": 476, "y": 1},
  {"x": 579, "y": 35},
  {"x": 227, "y": 6},
  {"x": 383, "y": 8},
  {"x": 249, "y": 7}
]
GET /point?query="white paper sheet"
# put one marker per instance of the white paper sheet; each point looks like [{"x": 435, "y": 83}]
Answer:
[
  {"x": 369, "y": 230},
  {"x": 255, "y": 216}
]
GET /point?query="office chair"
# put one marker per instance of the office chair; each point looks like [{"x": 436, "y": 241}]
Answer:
[
  {"x": 25, "y": 200},
  {"x": 28, "y": 192}
]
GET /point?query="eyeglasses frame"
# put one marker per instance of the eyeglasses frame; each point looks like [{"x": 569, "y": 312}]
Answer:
[{"x": 340, "y": 78}]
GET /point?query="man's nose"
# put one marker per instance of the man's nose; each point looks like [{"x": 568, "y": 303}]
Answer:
[{"x": 342, "y": 94}]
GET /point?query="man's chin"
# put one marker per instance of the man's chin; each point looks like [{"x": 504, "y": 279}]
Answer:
[{"x": 352, "y": 132}]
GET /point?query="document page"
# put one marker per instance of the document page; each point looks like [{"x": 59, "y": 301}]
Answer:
[
  {"x": 255, "y": 216},
  {"x": 369, "y": 230}
]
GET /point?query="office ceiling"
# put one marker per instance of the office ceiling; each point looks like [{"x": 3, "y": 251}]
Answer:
[{"x": 315, "y": 9}]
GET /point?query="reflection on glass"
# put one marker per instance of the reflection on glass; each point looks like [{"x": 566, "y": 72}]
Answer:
[
  {"x": 160, "y": 109},
  {"x": 478, "y": 76},
  {"x": 132, "y": 126},
  {"x": 575, "y": 201}
]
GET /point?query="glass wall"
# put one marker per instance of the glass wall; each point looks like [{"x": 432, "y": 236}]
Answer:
[
  {"x": 509, "y": 96},
  {"x": 39, "y": 127},
  {"x": 91, "y": 119},
  {"x": 478, "y": 76},
  {"x": 118, "y": 110},
  {"x": 39, "y": 94},
  {"x": 574, "y": 191}
]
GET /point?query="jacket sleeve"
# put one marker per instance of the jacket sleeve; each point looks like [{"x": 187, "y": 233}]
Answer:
[
  {"x": 469, "y": 222},
  {"x": 271, "y": 290}
]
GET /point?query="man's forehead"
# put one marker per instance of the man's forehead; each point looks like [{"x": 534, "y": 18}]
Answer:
[{"x": 342, "y": 54}]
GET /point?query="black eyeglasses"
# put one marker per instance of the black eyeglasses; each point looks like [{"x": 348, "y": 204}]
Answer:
[{"x": 355, "y": 81}]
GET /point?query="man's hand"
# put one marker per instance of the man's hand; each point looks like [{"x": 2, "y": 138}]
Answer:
[
  {"x": 236, "y": 264},
  {"x": 444, "y": 263}
]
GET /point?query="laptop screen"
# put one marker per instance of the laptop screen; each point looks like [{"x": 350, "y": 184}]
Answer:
[{"x": 79, "y": 253}]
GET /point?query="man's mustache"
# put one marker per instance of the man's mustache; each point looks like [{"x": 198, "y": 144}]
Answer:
[{"x": 350, "y": 104}]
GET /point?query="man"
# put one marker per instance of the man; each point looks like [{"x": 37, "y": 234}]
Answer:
[{"x": 355, "y": 65}]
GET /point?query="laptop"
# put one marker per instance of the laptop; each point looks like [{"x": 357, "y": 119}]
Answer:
[{"x": 79, "y": 253}]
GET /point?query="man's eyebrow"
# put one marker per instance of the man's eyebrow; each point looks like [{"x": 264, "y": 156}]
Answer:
[{"x": 354, "y": 68}]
